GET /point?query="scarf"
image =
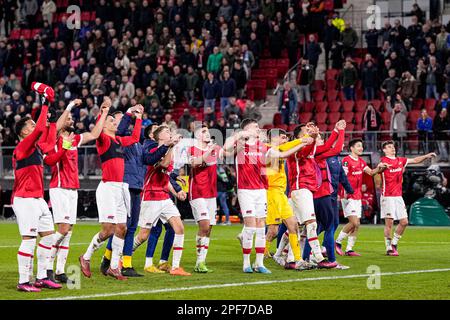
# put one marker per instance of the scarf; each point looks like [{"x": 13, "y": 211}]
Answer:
[{"x": 373, "y": 120}]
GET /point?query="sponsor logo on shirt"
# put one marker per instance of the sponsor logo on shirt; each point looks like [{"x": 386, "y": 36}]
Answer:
[
  {"x": 357, "y": 173},
  {"x": 110, "y": 217},
  {"x": 253, "y": 154},
  {"x": 395, "y": 170},
  {"x": 203, "y": 214}
]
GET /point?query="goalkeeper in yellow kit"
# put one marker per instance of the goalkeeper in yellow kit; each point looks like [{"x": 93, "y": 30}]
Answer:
[{"x": 278, "y": 208}]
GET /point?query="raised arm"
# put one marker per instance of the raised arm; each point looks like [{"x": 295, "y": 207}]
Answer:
[
  {"x": 285, "y": 154},
  {"x": 421, "y": 159},
  {"x": 154, "y": 154},
  {"x": 124, "y": 124},
  {"x": 334, "y": 151},
  {"x": 47, "y": 140},
  {"x": 97, "y": 130},
  {"x": 372, "y": 172},
  {"x": 135, "y": 136},
  {"x": 62, "y": 119}
]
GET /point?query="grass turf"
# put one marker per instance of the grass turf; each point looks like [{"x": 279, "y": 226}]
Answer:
[{"x": 420, "y": 249}]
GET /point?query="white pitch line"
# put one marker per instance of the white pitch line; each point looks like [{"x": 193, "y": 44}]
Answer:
[{"x": 241, "y": 284}]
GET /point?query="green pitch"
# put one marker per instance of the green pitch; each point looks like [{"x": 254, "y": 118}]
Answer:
[{"x": 422, "y": 271}]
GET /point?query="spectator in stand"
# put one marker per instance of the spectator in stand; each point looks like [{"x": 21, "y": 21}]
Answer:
[
  {"x": 330, "y": 36},
  {"x": 313, "y": 51},
  {"x": 155, "y": 112},
  {"x": 224, "y": 185},
  {"x": 372, "y": 36},
  {"x": 292, "y": 43},
  {"x": 211, "y": 88},
  {"x": 214, "y": 61},
  {"x": 185, "y": 120},
  {"x": 433, "y": 78},
  {"x": 349, "y": 77},
  {"x": 399, "y": 114},
  {"x": 446, "y": 74},
  {"x": 444, "y": 103},
  {"x": 240, "y": 77},
  {"x": 397, "y": 35},
  {"x": 371, "y": 123},
  {"x": 441, "y": 126},
  {"x": 276, "y": 44},
  {"x": 424, "y": 127},
  {"x": 306, "y": 81},
  {"x": 192, "y": 79},
  {"x": 408, "y": 89},
  {"x": 232, "y": 108},
  {"x": 349, "y": 39},
  {"x": 287, "y": 103},
  {"x": 369, "y": 79},
  {"x": 390, "y": 85},
  {"x": 227, "y": 89},
  {"x": 126, "y": 88}
]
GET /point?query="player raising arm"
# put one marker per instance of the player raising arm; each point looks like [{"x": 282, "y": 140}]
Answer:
[
  {"x": 354, "y": 167},
  {"x": 392, "y": 204},
  {"x": 64, "y": 182}
]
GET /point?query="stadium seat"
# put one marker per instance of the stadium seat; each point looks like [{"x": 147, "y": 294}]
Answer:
[
  {"x": 348, "y": 106},
  {"x": 26, "y": 33},
  {"x": 334, "y": 106},
  {"x": 270, "y": 75},
  {"x": 319, "y": 85},
  {"x": 413, "y": 116},
  {"x": 282, "y": 66},
  {"x": 268, "y": 126},
  {"x": 277, "y": 119},
  {"x": 331, "y": 74},
  {"x": 330, "y": 127},
  {"x": 332, "y": 95},
  {"x": 417, "y": 104},
  {"x": 334, "y": 117},
  {"x": 321, "y": 106},
  {"x": 85, "y": 16},
  {"x": 350, "y": 127},
  {"x": 386, "y": 117},
  {"x": 360, "y": 105},
  {"x": 358, "y": 116},
  {"x": 15, "y": 34},
  {"x": 321, "y": 117},
  {"x": 306, "y": 106},
  {"x": 322, "y": 127},
  {"x": 429, "y": 104},
  {"x": 332, "y": 84},
  {"x": 292, "y": 127},
  {"x": 256, "y": 89},
  {"x": 358, "y": 126},
  {"x": 304, "y": 117},
  {"x": 348, "y": 117},
  {"x": 318, "y": 95},
  {"x": 268, "y": 64},
  {"x": 376, "y": 104}
]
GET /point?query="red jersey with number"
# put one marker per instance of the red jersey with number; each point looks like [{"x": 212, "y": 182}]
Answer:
[
  {"x": 156, "y": 183},
  {"x": 392, "y": 177},
  {"x": 354, "y": 169},
  {"x": 304, "y": 173},
  {"x": 65, "y": 172},
  {"x": 251, "y": 167},
  {"x": 111, "y": 154},
  {"x": 203, "y": 178}
]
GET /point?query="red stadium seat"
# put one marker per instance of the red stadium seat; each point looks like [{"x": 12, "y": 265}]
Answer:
[
  {"x": 417, "y": 104},
  {"x": 361, "y": 105},
  {"x": 322, "y": 126},
  {"x": 256, "y": 89},
  {"x": 270, "y": 75},
  {"x": 268, "y": 64},
  {"x": 85, "y": 16},
  {"x": 348, "y": 106},
  {"x": 386, "y": 117},
  {"x": 321, "y": 106},
  {"x": 348, "y": 117},
  {"x": 282, "y": 66},
  {"x": 292, "y": 127},
  {"x": 331, "y": 74},
  {"x": 358, "y": 116},
  {"x": 330, "y": 127},
  {"x": 319, "y": 85},
  {"x": 26, "y": 33},
  {"x": 321, "y": 117},
  {"x": 306, "y": 107},
  {"x": 277, "y": 119},
  {"x": 334, "y": 106},
  {"x": 332, "y": 84},
  {"x": 334, "y": 117},
  {"x": 413, "y": 116},
  {"x": 429, "y": 104},
  {"x": 350, "y": 127},
  {"x": 15, "y": 34},
  {"x": 93, "y": 16},
  {"x": 305, "y": 117},
  {"x": 35, "y": 32},
  {"x": 332, "y": 95},
  {"x": 376, "y": 104},
  {"x": 268, "y": 126},
  {"x": 318, "y": 95}
]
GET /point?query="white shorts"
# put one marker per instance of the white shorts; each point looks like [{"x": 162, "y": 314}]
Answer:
[
  {"x": 352, "y": 207},
  {"x": 151, "y": 211},
  {"x": 204, "y": 209},
  {"x": 64, "y": 205},
  {"x": 33, "y": 216},
  {"x": 253, "y": 203},
  {"x": 303, "y": 205},
  {"x": 113, "y": 202},
  {"x": 393, "y": 208}
]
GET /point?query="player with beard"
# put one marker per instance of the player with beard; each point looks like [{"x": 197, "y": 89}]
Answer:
[{"x": 64, "y": 183}]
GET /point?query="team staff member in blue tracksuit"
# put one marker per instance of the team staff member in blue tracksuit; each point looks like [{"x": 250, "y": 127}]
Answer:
[
  {"x": 338, "y": 176},
  {"x": 134, "y": 176}
]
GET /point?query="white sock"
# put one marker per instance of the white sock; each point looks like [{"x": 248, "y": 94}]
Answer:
[
  {"x": 63, "y": 252},
  {"x": 43, "y": 255},
  {"x": 95, "y": 244},
  {"x": 350, "y": 243},
  {"x": 260, "y": 246},
  {"x": 206, "y": 241},
  {"x": 311, "y": 233},
  {"x": 396, "y": 239},
  {"x": 247, "y": 244},
  {"x": 55, "y": 248},
  {"x": 117, "y": 249},
  {"x": 148, "y": 262},
  {"x": 178, "y": 243},
  {"x": 162, "y": 261},
  {"x": 25, "y": 259},
  {"x": 388, "y": 243},
  {"x": 199, "y": 248},
  {"x": 302, "y": 239},
  {"x": 137, "y": 243},
  {"x": 342, "y": 235},
  {"x": 283, "y": 243}
]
